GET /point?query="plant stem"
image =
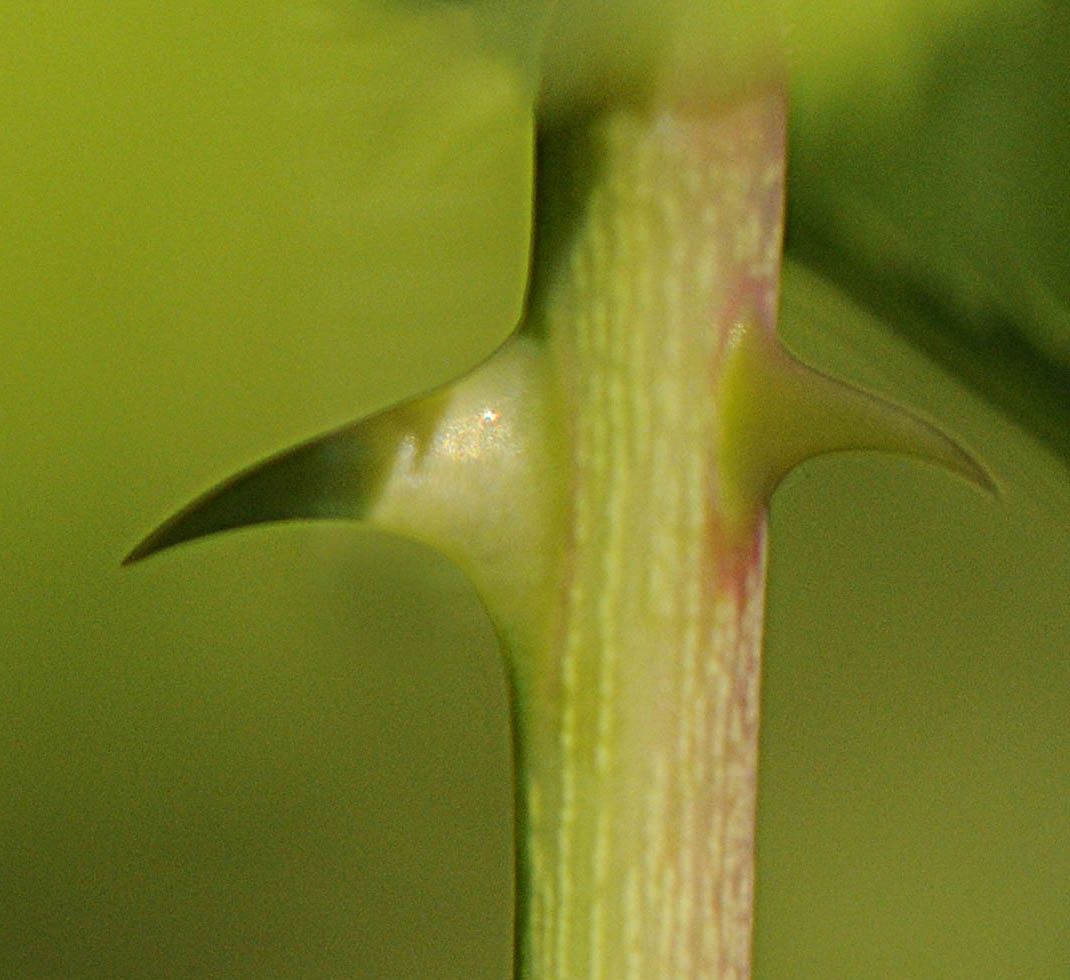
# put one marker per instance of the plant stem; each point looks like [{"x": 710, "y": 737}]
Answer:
[{"x": 637, "y": 722}]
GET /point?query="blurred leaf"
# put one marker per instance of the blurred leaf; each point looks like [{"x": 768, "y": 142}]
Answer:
[{"x": 945, "y": 208}]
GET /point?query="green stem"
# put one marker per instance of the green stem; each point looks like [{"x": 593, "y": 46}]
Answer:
[{"x": 639, "y": 718}]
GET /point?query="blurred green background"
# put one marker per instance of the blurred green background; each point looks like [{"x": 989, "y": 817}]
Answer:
[{"x": 284, "y": 752}]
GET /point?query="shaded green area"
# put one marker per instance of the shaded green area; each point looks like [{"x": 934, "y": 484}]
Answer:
[{"x": 946, "y": 210}]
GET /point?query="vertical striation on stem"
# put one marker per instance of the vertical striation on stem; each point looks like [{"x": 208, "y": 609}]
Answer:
[{"x": 638, "y": 722}]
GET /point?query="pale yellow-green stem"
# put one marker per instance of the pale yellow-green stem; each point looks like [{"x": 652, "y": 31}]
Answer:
[{"x": 639, "y": 716}]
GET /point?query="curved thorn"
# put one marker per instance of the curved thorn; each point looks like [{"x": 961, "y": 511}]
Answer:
[
  {"x": 775, "y": 413},
  {"x": 335, "y": 476}
]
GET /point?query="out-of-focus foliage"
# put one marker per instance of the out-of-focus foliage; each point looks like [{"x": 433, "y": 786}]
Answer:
[{"x": 941, "y": 201}]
